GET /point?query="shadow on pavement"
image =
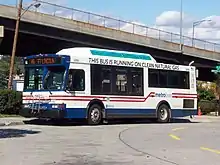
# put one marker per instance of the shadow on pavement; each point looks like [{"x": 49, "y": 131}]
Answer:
[
  {"x": 182, "y": 121},
  {"x": 12, "y": 133},
  {"x": 110, "y": 122}
]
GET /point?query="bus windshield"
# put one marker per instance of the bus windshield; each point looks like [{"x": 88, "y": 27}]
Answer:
[
  {"x": 54, "y": 78},
  {"x": 33, "y": 78}
]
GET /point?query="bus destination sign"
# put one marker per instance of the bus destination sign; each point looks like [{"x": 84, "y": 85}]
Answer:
[{"x": 43, "y": 61}]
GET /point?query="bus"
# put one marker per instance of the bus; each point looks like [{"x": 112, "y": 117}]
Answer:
[{"x": 100, "y": 84}]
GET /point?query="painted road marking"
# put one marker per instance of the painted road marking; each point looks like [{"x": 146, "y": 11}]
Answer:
[
  {"x": 174, "y": 137},
  {"x": 177, "y": 129},
  {"x": 209, "y": 149}
]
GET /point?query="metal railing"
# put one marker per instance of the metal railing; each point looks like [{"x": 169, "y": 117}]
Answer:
[{"x": 117, "y": 24}]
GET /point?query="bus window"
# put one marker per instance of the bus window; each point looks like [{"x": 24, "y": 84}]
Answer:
[
  {"x": 137, "y": 82},
  {"x": 76, "y": 81},
  {"x": 114, "y": 80},
  {"x": 153, "y": 77},
  {"x": 121, "y": 81},
  {"x": 173, "y": 79},
  {"x": 106, "y": 80},
  {"x": 168, "y": 79}
]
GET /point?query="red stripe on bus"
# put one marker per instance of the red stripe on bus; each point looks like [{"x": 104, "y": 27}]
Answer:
[
  {"x": 80, "y": 98},
  {"x": 112, "y": 99},
  {"x": 93, "y": 97},
  {"x": 193, "y": 97},
  {"x": 184, "y": 94}
]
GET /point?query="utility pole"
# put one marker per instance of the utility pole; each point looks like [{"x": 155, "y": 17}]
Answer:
[
  {"x": 217, "y": 73},
  {"x": 181, "y": 26},
  {"x": 14, "y": 45}
]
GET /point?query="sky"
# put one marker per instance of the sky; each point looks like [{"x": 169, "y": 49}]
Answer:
[{"x": 160, "y": 14}]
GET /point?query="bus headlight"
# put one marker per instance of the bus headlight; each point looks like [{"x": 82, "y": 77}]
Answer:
[
  {"x": 55, "y": 106},
  {"x": 26, "y": 106},
  {"x": 58, "y": 106}
]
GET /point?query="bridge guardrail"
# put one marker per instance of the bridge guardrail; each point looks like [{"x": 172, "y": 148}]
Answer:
[{"x": 126, "y": 26}]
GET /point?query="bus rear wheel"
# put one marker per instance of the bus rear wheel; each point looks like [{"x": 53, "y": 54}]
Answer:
[
  {"x": 94, "y": 115},
  {"x": 163, "y": 114}
]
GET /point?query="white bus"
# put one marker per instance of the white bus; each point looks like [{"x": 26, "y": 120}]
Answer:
[{"x": 96, "y": 84}]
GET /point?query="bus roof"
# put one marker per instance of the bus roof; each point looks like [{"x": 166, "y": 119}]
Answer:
[
  {"x": 122, "y": 58},
  {"x": 91, "y": 52}
]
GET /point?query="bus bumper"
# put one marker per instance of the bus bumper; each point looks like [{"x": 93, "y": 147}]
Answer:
[
  {"x": 184, "y": 112},
  {"x": 55, "y": 114}
]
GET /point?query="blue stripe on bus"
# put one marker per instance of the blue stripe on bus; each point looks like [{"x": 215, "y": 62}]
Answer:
[
  {"x": 76, "y": 113},
  {"x": 130, "y": 111},
  {"x": 82, "y": 112},
  {"x": 183, "y": 112},
  {"x": 174, "y": 112},
  {"x": 120, "y": 54}
]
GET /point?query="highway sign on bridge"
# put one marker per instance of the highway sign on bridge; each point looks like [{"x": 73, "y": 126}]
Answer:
[{"x": 217, "y": 69}]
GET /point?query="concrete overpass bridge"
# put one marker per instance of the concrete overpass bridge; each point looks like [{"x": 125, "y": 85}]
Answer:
[{"x": 48, "y": 33}]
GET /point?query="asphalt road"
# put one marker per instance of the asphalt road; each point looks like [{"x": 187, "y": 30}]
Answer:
[{"x": 115, "y": 144}]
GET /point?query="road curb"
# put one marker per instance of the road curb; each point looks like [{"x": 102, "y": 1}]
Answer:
[
  {"x": 12, "y": 123},
  {"x": 205, "y": 119}
]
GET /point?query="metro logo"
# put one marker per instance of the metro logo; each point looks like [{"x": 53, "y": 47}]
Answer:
[{"x": 162, "y": 95}]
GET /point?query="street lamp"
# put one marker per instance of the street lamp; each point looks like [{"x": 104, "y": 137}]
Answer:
[
  {"x": 15, "y": 39},
  {"x": 194, "y": 25}
]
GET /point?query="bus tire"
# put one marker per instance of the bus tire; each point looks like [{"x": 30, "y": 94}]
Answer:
[
  {"x": 163, "y": 114},
  {"x": 94, "y": 115}
]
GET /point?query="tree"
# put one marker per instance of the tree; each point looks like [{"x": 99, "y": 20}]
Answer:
[
  {"x": 4, "y": 69},
  {"x": 206, "y": 92}
]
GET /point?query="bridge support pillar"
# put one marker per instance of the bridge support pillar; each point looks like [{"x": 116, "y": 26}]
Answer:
[{"x": 1, "y": 33}]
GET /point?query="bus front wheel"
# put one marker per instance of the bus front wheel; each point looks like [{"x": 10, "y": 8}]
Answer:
[
  {"x": 163, "y": 114},
  {"x": 94, "y": 115}
]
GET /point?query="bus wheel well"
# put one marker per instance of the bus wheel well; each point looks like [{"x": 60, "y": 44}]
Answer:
[
  {"x": 98, "y": 102},
  {"x": 163, "y": 102}
]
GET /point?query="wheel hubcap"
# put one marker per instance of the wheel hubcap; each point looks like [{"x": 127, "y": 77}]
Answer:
[
  {"x": 163, "y": 114},
  {"x": 95, "y": 115}
]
